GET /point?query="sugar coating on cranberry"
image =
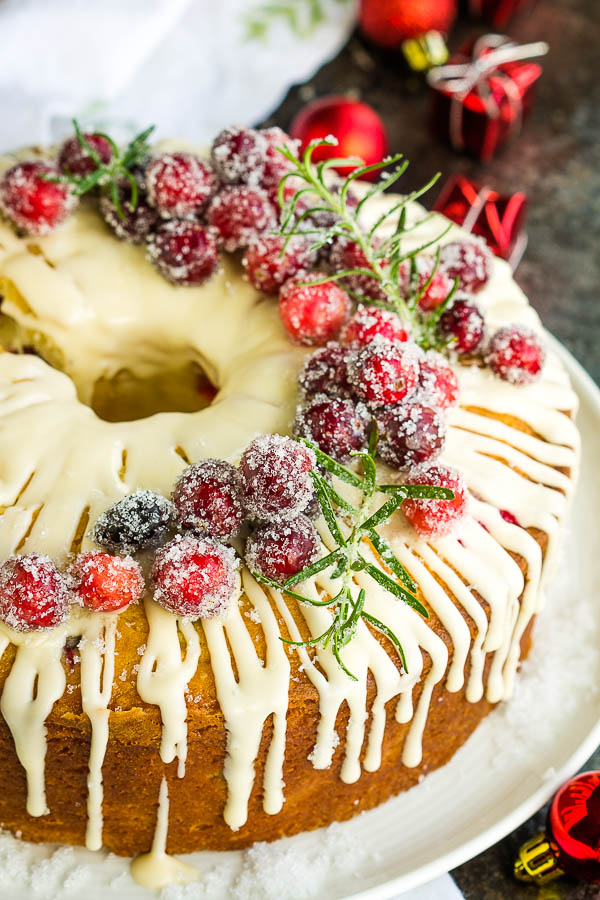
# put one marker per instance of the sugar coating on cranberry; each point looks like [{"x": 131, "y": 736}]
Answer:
[
  {"x": 313, "y": 314},
  {"x": 438, "y": 289},
  {"x": 438, "y": 384},
  {"x": 184, "y": 252},
  {"x": 75, "y": 159},
  {"x": 275, "y": 164},
  {"x": 370, "y": 322},
  {"x": 436, "y": 518},
  {"x": 33, "y": 593},
  {"x": 33, "y": 204},
  {"x": 463, "y": 322},
  {"x": 385, "y": 371},
  {"x": 105, "y": 583},
  {"x": 469, "y": 261},
  {"x": 238, "y": 155},
  {"x": 346, "y": 254},
  {"x": 131, "y": 224},
  {"x": 410, "y": 434},
  {"x": 138, "y": 521},
  {"x": 268, "y": 266},
  {"x": 336, "y": 426},
  {"x": 326, "y": 371},
  {"x": 282, "y": 549},
  {"x": 208, "y": 498},
  {"x": 179, "y": 185},
  {"x": 240, "y": 215},
  {"x": 516, "y": 354},
  {"x": 275, "y": 477},
  {"x": 194, "y": 577}
]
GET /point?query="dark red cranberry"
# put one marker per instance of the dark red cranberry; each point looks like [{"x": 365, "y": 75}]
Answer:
[
  {"x": 370, "y": 322},
  {"x": 33, "y": 204},
  {"x": 194, "y": 577},
  {"x": 469, "y": 261},
  {"x": 282, "y": 549},
  {"x": 436, "y": 518},
  {"x": 326, "y": 372},
  {"x": 184, "y": 252},
  {"x": 347, "y": 254},
  {"x": 33, "y": 593},
  {"x": 132, "y": 224},
  {"x": 464, "y": 322},
  {"x": 439, "y": 288},
  {"x": 275, "y": 163},
  {"x": 74, "y": 159},
  {"x": 238, "y": 155},
  {"x": 438, "y": 385},
  {"x": 208, "y": 498},
  {"x": 275, "y": 477},
  {"x": 410, "y": 434},
  {"x": 240, "y": 216},
  {"x": 509, "y": 517},
  {"x": 267, "y": 268},
  {"x": 138, "y": 521},
  {"x": 105, "y": 583},
  {"x": 313, "y": 314},
  {"x": 384, "y": 372},
  {"x": 516, "y": 354},
  {"x": 179, "y": 185},
  {"x": 337, "y": 427}
]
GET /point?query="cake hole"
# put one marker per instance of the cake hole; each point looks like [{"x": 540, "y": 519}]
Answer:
[
  {"x": 23, "y": 540},
  {"x": 36, "y": 250},
  {"x": 181, "y": 452},
  {"x": 82, "y": 525},
  {"x": 123, "y": 469}
]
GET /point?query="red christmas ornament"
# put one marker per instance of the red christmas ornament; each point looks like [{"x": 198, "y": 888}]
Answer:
[
  {"x": 499, "y": 12},
  {"x": 498, "y": 218},
  {"x": 357, "y": 127},
  {"x": 482, "y": 96},
  {"x": 571, "y": 843},
  {"x": 390, "y": 22}
]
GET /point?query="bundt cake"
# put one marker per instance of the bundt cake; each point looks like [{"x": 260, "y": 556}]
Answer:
[{"x": 123, "y": 366}]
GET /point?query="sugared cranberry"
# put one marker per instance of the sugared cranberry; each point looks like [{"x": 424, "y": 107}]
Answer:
[
  {"x": 268, "y": 269},
  {"x": 134, "y": 224},
  {"x": 105, "y": 583},
  {"x": 336, "y": 426},
  {"x": 313, "y": 314},
  {"x": 283, "y": 549},
  {"x": 33, "y": 204},
  {"x": 138, "y": 521},
  {"x": 275, "y": 476},
  {"x": 410, "y": 434},
  {"x": 347, "y": 254},
  {"x": 74, "y": 159},
  {"x": 208, "y": 498},
  {"x": 439, "y": 288},
  {"x": 370, "y": 322},
  {"x": 238, "y": 155},
  {"x": 194, "y": 577},
  {"x": 240, "y": 216},
  {"x": 438, "y": 385},
  {"x": 464, "y": 322},
  {"x": 184, "y": 252},
  {"x": 384, "y": 372},
  {"x": 516, "y": 354},
  {"x": 33, "y": 593},
  {"x": 436, "y": 518},
  {"x": 326, "y": 371},
  {"x": 275, "y": 163},
  {"x": 469, "y": 261},
  {"x": 179, "y": 185}
]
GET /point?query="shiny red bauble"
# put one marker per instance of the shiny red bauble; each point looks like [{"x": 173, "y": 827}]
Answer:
[
  {"x": 357, "y": 127},
  {"x": 573, "y": 827},
  {"x": 390, "y": 22}
]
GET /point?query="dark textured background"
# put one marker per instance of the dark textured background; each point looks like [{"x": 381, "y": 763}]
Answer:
[{"x": 556, "y": 161}]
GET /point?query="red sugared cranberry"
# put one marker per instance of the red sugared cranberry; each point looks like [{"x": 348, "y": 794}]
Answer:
[
  {"x": 410, "y": 434},
  {"x": 134, "y": 225},
  {"x": 240, "y": 216},
  {"x": 268, "y": 269},
  {"x": 275, "y": 163},
  {"x": 436, "y": 518},
  {"x": 336, "y": 426},
  {"x": 438, "y": 385},
  {"x": 33, "y": 204},
  {"x": 33, "y": 593},
  {"x": 469, "y": 261},
  {"x": 370, "y": 322},
  {"x": 438, "y": 290},
  {"x": 326, "y": 371},
  {"x": 184, "y": 252},
  {"x": 464, "y": 322},
  {"x": 238, "y": 155},
  {"x": 74, "y": 159},
  {"x": 275, "y": 476},
  {"x": 384, "y": 372},
  {"x": 283, "y": 549},
  {"x": 313, "y": 314},
  {"x": 105, "y": 583},
  {"x": 194, "y": 577},
  {"x": 208, "y": 498},
  {"x": 347, "y": 254},
  {"x": 516, "y": 354},
  {"x": 179, "y": 185}
]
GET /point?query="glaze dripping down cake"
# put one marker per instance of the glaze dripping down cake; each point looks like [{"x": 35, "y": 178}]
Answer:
[{"x": 132, "y": 307}]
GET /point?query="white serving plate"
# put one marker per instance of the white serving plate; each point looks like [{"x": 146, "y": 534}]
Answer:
[{"x": 511, "y": 765}]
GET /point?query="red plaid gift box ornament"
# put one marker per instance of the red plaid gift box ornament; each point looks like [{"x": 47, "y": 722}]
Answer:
[
  {"x": 499, "y": 12},
  {"x": 498, "y": 218},
  {"x": 481, "y": 97}
]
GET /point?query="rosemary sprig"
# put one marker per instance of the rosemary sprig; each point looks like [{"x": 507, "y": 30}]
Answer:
[
  {"x": 347, "y": 557},
  {"x": 382, "y": 244}
]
